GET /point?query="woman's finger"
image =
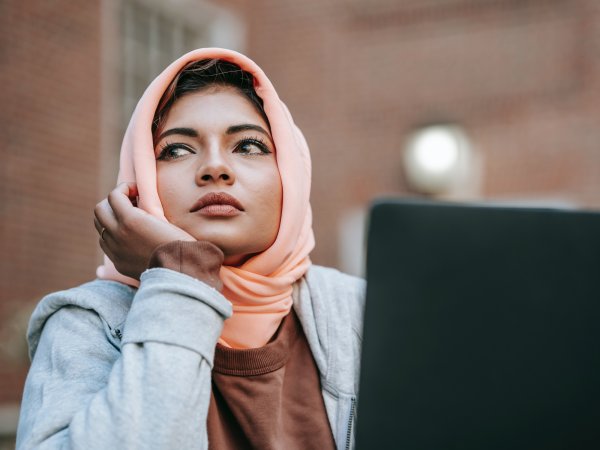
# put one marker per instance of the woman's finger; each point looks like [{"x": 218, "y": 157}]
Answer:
[
  {"x": 104, "y": 216},
  {"x": 122, "y": 198},
  {"x": 97, "y": 225},
  {"x": 106, "y": 249},
  {"x": 103, "y": 232}
]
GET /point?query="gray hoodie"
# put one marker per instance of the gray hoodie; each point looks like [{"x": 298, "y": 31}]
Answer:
[{"x": 116, "y": 367}]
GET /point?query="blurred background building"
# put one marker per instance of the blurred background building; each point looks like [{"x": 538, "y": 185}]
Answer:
[{"x": 479, "y": 100}]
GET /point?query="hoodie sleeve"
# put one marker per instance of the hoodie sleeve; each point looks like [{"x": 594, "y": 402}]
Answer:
[{"x": 83, "y": 393}]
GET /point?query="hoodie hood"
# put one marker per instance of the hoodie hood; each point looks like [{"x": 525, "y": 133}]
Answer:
[{"x": 260, "y": 289}]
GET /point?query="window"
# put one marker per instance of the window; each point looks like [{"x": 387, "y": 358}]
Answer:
[{"x": 155, "y": 33}]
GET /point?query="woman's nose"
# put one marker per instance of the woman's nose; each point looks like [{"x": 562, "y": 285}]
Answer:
[{"x": 215, "y": 169}]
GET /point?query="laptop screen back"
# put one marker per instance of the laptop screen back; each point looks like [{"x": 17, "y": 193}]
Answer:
[{"x": 482, "y": 328}]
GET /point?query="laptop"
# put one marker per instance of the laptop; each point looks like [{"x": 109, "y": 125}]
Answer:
[{"x": 482, "y": 328}]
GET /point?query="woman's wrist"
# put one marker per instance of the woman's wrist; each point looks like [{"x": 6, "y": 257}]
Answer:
[{"x": 199, "y": 259}]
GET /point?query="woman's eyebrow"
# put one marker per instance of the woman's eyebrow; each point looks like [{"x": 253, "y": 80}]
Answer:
[
  {"x": 245, "y": 127},
  {"x": 190, "y": 132}
]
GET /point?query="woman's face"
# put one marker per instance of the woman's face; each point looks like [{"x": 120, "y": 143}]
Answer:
[{"x": 216, "y": 172}]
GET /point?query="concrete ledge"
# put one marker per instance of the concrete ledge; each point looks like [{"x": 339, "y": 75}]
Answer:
[{"x": 9, "y": 418}]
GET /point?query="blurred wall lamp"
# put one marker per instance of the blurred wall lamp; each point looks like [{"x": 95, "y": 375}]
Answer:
[{"x": 437, "y": 159}]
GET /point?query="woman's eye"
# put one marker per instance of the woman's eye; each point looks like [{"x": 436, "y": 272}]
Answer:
[
  {"x": 252, "y": 147},
  {"x": 173, "y": 151}
]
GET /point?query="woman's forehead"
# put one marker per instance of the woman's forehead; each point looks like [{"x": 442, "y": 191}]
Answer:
[{"x": 214, "y": 106}]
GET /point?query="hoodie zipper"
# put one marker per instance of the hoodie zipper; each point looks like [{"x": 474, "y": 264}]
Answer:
[{"x": 350, "y": 423}]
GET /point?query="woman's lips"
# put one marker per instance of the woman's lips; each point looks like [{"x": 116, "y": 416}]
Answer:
[
  {"x": 219, "y": 210},
  {"x": 218, "y": 204}
]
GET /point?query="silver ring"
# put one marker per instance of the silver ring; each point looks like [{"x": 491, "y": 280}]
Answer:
[{"x": 102, "y": 233}]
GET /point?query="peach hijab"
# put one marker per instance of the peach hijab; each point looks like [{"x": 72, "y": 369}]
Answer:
[{"x": 260, "y": 290}]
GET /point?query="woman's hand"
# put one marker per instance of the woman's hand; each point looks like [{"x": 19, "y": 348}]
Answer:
[{"x": 129, "y": 235}]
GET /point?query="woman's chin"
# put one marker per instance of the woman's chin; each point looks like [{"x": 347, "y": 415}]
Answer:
[
  {"x": 236, "y": 260},
  {"x": 237, "y": 247},
  {"x": 233, "y": 256}
]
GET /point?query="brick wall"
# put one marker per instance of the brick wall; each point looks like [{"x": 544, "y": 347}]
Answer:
[
  {"x": 521, "y": 77},
  {"x": 50, "y": 78}
]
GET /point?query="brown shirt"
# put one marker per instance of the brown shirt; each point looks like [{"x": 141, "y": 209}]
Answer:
[
  {"x": 262, "y": 398},
  {"x": 268, "y": 397}
]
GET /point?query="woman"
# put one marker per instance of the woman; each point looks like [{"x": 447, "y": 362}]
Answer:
[{"x": 208, "y": 327}]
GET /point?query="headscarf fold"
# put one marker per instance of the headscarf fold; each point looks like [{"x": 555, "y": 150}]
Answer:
[{"x": 261, "y": 288}]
